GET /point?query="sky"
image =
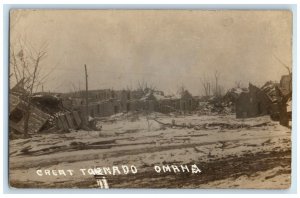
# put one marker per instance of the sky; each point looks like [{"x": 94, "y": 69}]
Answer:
[{"x": 165, "y": 48}]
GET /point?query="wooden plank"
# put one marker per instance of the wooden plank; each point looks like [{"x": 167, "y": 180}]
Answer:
[
  {"x": 64, "y": 122},
  {"x": 36, "y": 120},
  {"x": 16, "y": 126},
  {"x": 70, "y": 120},
  {"x": 59, "y": 124},
  {"x": 37, "y": 117},
  {"x": 13, "y": 102},
  {"x": 76, "y": 118}
]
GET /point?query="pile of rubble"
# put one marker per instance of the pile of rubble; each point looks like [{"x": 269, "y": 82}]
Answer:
[
  {"x": 47, "y": 114},
  {"x": 216, "y": 105}
]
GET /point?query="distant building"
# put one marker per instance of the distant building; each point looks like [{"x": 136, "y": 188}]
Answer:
[
  {"x": 187, "y": 102},
  {"x": 108, "y": 102},
  {"x": 183, "y": 103}
]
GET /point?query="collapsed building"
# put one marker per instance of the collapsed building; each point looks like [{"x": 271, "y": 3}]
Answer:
[
  {"x": 17, "y": 110},
  {"x": 46, "y": 112},
  {"x": 52, "y": 112},
  {"x": 18, "y": 106},
  {"x": 253, "y": 102},
  {"x": 267, "y": 100}
]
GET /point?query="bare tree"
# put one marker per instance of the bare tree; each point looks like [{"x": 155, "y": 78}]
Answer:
[
  {"x": 26, "y": 70},
  {"x": 283, "y": 64},
  {"x": 145, "y": 87},
  {"x": 73, "y": 87},
  {"x": 128, "y": 88},
  {"x": 181, "y": 89},
  {"x": 217, "y": 87},
  {"x": 287, "y": 67},
  {"x": 283, "y": 115},
  {"x": 206, "y": 85},
  {"x": 238, "y": 84}
]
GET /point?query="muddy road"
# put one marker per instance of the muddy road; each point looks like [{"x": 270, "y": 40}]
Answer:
[{"x": 231, "y": 153}]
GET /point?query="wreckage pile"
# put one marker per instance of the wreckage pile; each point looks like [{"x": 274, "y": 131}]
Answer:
[
  {"x": 59, "y": 117},
  {"x": 214, "y": 105},
  {"x": 47, "y": 114},
  {"x": 209, "y": 108},
  {"x": 210, "y": 126}
]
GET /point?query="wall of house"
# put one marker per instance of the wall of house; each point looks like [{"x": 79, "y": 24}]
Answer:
[
  {"x": 188, "y": 105},
  {"x": 168, "y": 106},
  {"x": 253, "y": 103},
  {"x": 36, "y": 120},
  {"x": 183, "y": 105}
]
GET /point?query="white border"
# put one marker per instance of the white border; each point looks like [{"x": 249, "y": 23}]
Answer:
[{"x": 207, "y": 5}]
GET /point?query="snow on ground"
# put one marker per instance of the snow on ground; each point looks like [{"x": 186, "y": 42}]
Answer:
[{"x": 245, "y": 157}]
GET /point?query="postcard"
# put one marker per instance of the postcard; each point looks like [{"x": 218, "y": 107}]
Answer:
[{"x": 176, "y": 99}]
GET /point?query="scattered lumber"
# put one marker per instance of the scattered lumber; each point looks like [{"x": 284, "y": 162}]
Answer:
[
  {"x": 76, "y": 145},
  {"x": 210, "y": 125}
]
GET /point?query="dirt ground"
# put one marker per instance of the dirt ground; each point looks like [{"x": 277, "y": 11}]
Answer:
[{"x": 230, "y": 152}]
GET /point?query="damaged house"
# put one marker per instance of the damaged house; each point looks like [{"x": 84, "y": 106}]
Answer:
[
  {"x": 150, "y": 101},
  {"x": 187, "y": 102},
  {"x": 17, "y": 110},
  {"x": 183, "y": 103},
  {"x": 46, "y": 112},
  {"x": 272, "y": 99},
  {"x": 252, "y": 103}
]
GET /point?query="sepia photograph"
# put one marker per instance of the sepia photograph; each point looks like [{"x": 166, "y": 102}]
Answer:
[{"x": 150, "y": 99}]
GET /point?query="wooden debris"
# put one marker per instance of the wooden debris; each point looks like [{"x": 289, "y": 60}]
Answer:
[
  {"x": 70, "y": 120},
  {"x": 213, "y": 125},
  {"x": 77, "y": 118},
  {"x": 77, "y": 145}
]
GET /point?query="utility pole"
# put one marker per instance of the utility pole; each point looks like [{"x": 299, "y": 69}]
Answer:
[{"x": 86, "y": 94}]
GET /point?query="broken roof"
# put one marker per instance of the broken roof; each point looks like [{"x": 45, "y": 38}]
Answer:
[
  {"x": 153, "y": 95},
  {"x": 269, "y": 88}
]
